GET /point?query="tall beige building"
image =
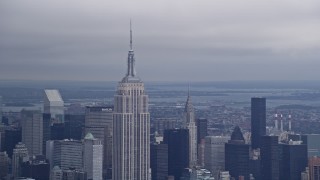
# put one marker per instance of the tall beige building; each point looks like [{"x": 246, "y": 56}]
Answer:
[
  {"x": 131, "y": 127},
  {"x": 98, "y": 122},
  {"x": 32, "y": 131},
  {"x": 92, "y": 153}
]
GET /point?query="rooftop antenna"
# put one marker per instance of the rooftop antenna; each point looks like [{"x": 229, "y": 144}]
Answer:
[
  {"x": 130, "y": 35},
  {"x": 289, "y": 122}
]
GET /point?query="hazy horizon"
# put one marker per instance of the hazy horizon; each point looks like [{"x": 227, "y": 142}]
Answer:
[{"x": 182, "y": 85}]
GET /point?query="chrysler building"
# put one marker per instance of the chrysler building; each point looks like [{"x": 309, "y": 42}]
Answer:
[{"x": 191, "y": 125}]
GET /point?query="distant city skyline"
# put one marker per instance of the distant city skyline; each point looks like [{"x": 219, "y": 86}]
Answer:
[{"x": 174, "y": 41}]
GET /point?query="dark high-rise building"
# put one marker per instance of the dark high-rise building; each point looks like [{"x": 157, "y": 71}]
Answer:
[
  {"x": 74, "y": 126},
  {"x": 161, "y": 124},
  {"x": 258, "y": 120},
  {"x": 178, "y": 150},
  {"x": 202, "y": 129},
  {"x": 202, "y": 132},
  {"x": 2, "y": 139},
  {"x": 293, "y": 160},
  {"x": 270, "y": 154},
  {"x": 37, "y": 168},
  {"x": 311, "y": 140},
  {"x": 46, "y": 131},
  {"x": 159, "y": 161},
  {"x": 12, "y": 137},
  {"x": 57, "y": 131},
  {"x": 255, "y": 168},
  {"x": 237, "y": 155}
]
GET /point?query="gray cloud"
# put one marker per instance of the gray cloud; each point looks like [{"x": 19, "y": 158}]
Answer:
[{"x": 173, "y": 40}]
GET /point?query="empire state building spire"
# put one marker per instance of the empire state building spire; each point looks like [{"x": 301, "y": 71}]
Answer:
[
  {"x": 130, "y": 36},
  {"x": 131, "y": 71}
]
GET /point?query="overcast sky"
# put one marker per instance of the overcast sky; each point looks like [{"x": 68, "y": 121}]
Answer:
[{"x": 185, "y": 40}]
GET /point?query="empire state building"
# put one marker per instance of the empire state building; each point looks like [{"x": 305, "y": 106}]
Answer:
[{"x": 131, "y": 126}]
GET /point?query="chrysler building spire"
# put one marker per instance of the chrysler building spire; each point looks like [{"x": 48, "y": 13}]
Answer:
[{"x": 189, "y": 109}]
